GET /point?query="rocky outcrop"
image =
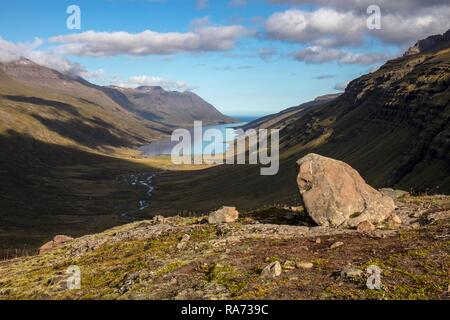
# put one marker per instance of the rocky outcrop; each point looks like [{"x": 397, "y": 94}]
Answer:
[
  {"x": 57, "y": 242},
  {"x": 394, "y": 194},
  {"x": 431, "y": 43},
  {"x": 186, "y": 258},
  {"x": 334, "y": 194},
  {"x": 223, "y": 215},
  {"x": 272, "y": 270}
]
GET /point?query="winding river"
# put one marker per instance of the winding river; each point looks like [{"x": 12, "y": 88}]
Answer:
[{"x": 142, "y": 180}]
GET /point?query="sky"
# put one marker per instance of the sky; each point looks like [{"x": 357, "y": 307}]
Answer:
[{"x": 246, "y": 57}]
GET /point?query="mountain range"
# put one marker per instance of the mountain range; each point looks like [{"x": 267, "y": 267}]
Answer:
[
  {"x": 66, "y": 144},
  {"x": 93, "y": 115}
]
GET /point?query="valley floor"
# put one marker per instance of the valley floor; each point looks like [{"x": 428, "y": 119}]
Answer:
[{"x": 187, "y": 258}]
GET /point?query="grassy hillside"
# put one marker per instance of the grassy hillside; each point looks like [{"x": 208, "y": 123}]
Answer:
[
  {"x": 149, "y": 260},
  {"x": 391, "y": 125},
  {"x": 66, "y": 150},
  {"x": 55, "y": 175},
  {"x": 172, "y": 108}
]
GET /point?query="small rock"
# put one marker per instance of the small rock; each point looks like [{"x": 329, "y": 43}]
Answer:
[
  {"x": 289, "y": 265},
  {"x": 304, "y": 265},
  {"x": 351, "y": 273},
  {"x": 318, "y": 241},
  {"x": 223, "y": 215},
  {"x": 272, "y": 270},
  {"x": 394, "y": 194},
  {"x": 336, "y": 245},
  {"x": 395, "y": 219},
  {"x": 183, "y": 242},
  {"x": 365, "y": 226}
]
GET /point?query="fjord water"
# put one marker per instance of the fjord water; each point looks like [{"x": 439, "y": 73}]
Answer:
[{"x": 164, "y": 147}]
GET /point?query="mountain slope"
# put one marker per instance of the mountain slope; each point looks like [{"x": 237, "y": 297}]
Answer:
[
  {"x": 65, "y": 152},
  {"x": 392, "y": 125},
  {"x": 186, "y": 258},
  {"x": 171, "y": 107},
  {"x": 60, "y": 109},
  {"x": 432, "y": 43},
  {"x": 282, "y": 119}
]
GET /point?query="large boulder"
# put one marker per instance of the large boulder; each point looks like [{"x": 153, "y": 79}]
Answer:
[
  {"x": 223, "y": 215},
  {"x": 334, "y": 194}
]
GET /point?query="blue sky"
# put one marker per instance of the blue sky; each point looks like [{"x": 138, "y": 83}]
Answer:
[{"x": 264, "y": 63}]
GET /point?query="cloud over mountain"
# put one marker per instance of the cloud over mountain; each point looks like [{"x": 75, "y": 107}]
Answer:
[
  {"x": 322, "y": 55},
  {"x": 170, "y": 85},
  {"x": 332, "y": 25},
  {"x": 11, "y": 51},
  {"x": 389, "y": 6}
]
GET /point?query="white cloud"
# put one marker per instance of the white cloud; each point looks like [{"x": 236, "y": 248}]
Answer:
[
  {"x": 341, "y": 86},
  {"x": 100, "y": 44},
  {"x": 10, "y": 51},
  {"x": 408, "y": 28},
  {"x": 96, "y": 74},
  {"x": 317, "y": 54},
  {"x": 388, "y": 6},
  {"x": 324, "y": 27},
  {"x": 167, "y": 84},
  {"x": 329, "y": 27},
  {"x": 324, "y": 31}
]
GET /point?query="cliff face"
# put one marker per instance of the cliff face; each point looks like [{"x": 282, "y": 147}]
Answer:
[
  {"x": 393, "y": 124},
  {"x": 431, "y": 43}
]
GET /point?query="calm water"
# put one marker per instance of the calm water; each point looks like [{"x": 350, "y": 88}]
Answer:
[{"x": 164, "y": 147}]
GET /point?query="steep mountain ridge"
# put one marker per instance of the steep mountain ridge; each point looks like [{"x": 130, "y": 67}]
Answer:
[
  {"x": 285, "y": 117},
  {"x": 431, "y": 43},
  {"x": 392, "y": 125}
]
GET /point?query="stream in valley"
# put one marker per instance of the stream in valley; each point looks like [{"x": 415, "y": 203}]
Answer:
[
  {"x": 164, "y": 147},
  {"x": 140, "y": 180}
]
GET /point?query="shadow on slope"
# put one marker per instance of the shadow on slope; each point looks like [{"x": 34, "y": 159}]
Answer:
[
  {"x": 49, "y": 189},
  {"x": 57, "y": 105}
]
